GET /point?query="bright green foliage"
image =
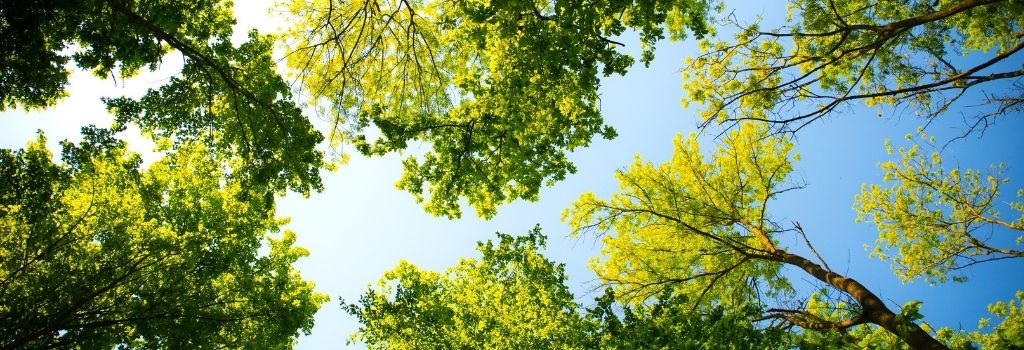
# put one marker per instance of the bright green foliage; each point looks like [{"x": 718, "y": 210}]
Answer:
[
  {"x": 933, "y": 221},
  {"x": 512, "y": 297},
  {"x": 96, "y": 253},
  {"x": 274, "y": 142},
  {"x": 823, "y": 307},
  {"x": 685, "y": 223},
  {"x": 1009, "y": 333},
  {"x": 500, "y": 90},
  {"x": 37, "y": 33},
  {"x": 921, "y": 53},
  {"x": 668, "y": 324},
  {"x": 1006, "y": 335},
  {"x": 697, "y": 225}
]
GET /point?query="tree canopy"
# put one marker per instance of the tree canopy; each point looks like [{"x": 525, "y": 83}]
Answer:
[
  {"x": 99, "y": 253},
  {"x": 231, "y": 95},
  {"x": 103, "y": 37},
  {"x": 512, "y": 297},
  {"x": 99, "y": 250},
  {"x": 701, "y": 225},
  {"x": 249, "y": 114},
  {"x": 499, "y": 90},
  {"x": 921, "y": 54},
  {"x": 933, "y": 221}
]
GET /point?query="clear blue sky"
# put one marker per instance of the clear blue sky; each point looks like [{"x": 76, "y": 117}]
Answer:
[{"x": 361, "y": 225}]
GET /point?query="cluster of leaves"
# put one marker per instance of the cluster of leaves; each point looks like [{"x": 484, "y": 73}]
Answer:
[
  {"x": 939, "y": 221},
  {"x": 248, "y": 113},
  {"x": 691, "y": 218},
  {"x": 1009, "y": 333},
  {"x": 699, "y": 226},
  {"x": 1004, "y": 335},
  {"x": 512, "y": 297},
  {"x": 36, "y": 36},
  {"x": 666, "y": 323},
  {"x": 829, "y": 53},
  {"x": 500, "y": 90},
  {"x": 96, "y": 252},
  {"x": 232, "y": 95}
]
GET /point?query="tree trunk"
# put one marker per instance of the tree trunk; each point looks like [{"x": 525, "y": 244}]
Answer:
[{"x": 874, "y": 310}]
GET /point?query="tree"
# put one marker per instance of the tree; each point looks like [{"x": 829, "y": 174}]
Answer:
[
  {"x": 701, "y": 226},
  {"x": 230, "y": 95},
  {"x": 1009, "y": 333},
  {"x": 832, "y": 53},
  {"x": 691, "y": 259},
  {"x": 933, "y": 222},
  {"x": 500, "y": 90},
  {"x": 98, "y": 253},
  {"x": 512, "y": 297},
  {"x": 666, "y": 323},
  {"x": 249, "y": 114},
  {"x": 37, "y": 35}
]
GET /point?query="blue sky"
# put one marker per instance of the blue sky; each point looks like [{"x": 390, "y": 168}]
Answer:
[{"x": 360, "y": 225}]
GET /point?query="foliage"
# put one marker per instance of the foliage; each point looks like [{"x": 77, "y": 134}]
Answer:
[
  {"x": 667, "y": 323},
  {"x": 825, "y": 307},
  {"x": 1009, "y": 333},
  {"x": 700, "y": 225},
  {"x": 500, "y": 90},
  {"x": 689, "y": 217},
  {"x": 231, "y": 95},
  {"x": 98, "y": 253},
  {"x": 511, "y": 298},
  {"x": 923, "y": 54},
  {"x": 937, "y": 221},
  {"x": 40, "y": 37},
  {"x": 101, "y": 252},
  {"x": 274, "y": 142},
  {"x": 515, "y": 298}
]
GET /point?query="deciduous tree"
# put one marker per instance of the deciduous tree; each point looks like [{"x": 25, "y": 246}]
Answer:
[
  {"x": 512, "y": 297},
  {"x": 933, "y": 221},
  {"x": 499, "y": 90},
  {"x": 828, "y": 54},
  {"x": 40, "y": 37},
  {"x": 701, "y": 225},
  {"x": 230, "y": 94},
  {"x": 98, "y": 253}
]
